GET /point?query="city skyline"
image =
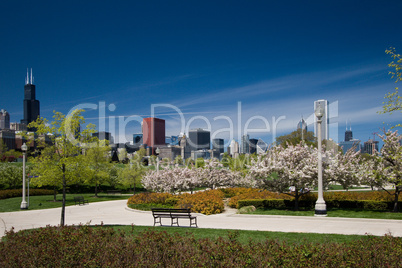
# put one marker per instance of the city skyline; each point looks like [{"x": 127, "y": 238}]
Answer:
[{"x": 275, "y": 59}]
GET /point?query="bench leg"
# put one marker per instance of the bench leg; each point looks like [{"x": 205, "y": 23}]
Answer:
[
  {"x": 157, "y": 220},
  {"x": 193, "y": 223},
  {"x": 175, "y": 222}
]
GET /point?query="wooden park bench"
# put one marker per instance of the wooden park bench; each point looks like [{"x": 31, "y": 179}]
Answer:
[
  {"x": 80, "y": 200},
  {"x": 174, "y": 214}
]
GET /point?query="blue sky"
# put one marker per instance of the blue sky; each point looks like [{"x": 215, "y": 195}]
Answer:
[{"x": 209, "y": 59}]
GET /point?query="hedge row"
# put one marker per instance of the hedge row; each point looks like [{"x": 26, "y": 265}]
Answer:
[
  {"x": 206, "y": 202},
  {"x": 104, "y": 247},
  {"x": 283, "y": 203},
  {"x": 4, "y": 194}
]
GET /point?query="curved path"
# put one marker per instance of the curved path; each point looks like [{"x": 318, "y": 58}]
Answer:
[{"x": 116, "y": 212}]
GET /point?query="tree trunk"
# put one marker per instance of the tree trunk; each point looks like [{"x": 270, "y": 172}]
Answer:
[
  {"x": 63, "y": 206},
  {"x": 396, "y": 195},
  {"x": 96, "y": 189},
  {"x": 296, "y": 198},
  {"x": 54, "y": 194}
]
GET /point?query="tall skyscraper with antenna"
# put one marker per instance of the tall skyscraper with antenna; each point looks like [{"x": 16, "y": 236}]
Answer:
[{"x": 31, "y": 104}]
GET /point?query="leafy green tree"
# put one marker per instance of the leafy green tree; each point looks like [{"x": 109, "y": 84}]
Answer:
[
  {"x": 131, "y": 174},
  {"x": 393, "y": 101},
  {"x": 10, "y": 175},
  {"x": 61, "y": 163},
  {"x": 296, "y": 137},
  {"x": 178, "y": 160},
  {"x": 98, "y": 164},
  {"x": 3, "y": 149}
]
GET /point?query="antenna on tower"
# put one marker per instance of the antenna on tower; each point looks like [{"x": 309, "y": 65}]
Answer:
[
  {"x": 31, "y": 77},
  {"x": 27, "y": 79}
]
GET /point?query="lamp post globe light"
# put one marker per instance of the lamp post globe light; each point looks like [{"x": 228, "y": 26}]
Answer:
[
  {"x": 24, "y": 204},
  {"x": 320, "y": 206}
]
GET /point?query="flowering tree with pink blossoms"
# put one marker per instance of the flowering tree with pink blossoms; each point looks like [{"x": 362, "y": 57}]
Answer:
[
  {"x": 171, "y": 180},
  {"x": 282, "y": 169},
  {"x": 388, "y": 169},
  {"x": 343, "y": 169}
]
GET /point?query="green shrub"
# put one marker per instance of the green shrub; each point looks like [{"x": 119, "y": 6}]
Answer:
[
  {"x": 104, "y": 247},
  {"x": 4, "y": 194}
]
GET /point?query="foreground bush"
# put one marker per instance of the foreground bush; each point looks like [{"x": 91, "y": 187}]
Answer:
[
  {"x": 206, "y": 202},
  {"x": 104, "y": 247},
  {"x": 18, "y": 192}
]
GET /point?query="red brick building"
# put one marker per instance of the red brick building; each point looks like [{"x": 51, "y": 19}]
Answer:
[{"x": 153, "y": 132}]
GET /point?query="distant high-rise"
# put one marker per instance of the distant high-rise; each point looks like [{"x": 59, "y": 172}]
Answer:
[
  {"x": 245, "y": 144},
  {"x": 199, "y": 139},
  {"x": 370, "y": 147},
  {"x": 348, "y": 135},
  {"x": 4, "y": 119},
  {"x": 325, "y": 119},
  {"x": 137, "y": 140},
  {"x": 153, "y": 132},
  {"x": 234, "y": 148},
  {"x": 218, "y": 145},
  {"x": 103, "y": 135},
  {"x": 253, "y": 146},
  {"x": 31, "y": 104},
  {"x": 302, "y": 125},
  {"x": 261, "y": 146}
]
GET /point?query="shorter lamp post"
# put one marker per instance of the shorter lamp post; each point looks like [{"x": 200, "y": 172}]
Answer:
[
  {"x": 157, "y": 152},
  {"x": 24, "y": 204},
  {"x": 320, "y": 206}
]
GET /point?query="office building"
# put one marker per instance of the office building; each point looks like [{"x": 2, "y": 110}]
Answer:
[
  {"x": 261, "y": 146},
  {"x": 325, "y": 119},
  {"x": 234, "y": 148},
  {"x": 137, "y": 140},
  {"x": 31, "y": 104},
  {"x": 348, "y": 135},
  {"x": 199, "y": 139},
  {"x": 370, "y": 147},
  {"x": 8, "y": 138},
  {"x": 18, "y": 127},
  {"x": 302, "y": 125},
  {"x": 153, "y": 130},
  {"x": 103, "y": 135},
  {"x": 245, "y": 144},
  {"x": 172, "y": 140},
  {"x": 253, "y": 146},
  {"x": 4, "y": 119},
  {"x": 218, "y": 145}
]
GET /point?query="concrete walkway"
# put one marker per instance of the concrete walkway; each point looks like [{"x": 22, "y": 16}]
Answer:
[{"x": 116, "y": 212}]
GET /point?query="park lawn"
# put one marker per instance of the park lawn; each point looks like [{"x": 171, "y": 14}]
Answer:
[
  {"x": 46, "y": 201},
  {"x": 334, "y": 212}
]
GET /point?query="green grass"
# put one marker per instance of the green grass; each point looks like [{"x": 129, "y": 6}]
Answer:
[
  {"x": 244, "y": 236},
  {"x": 345, "y": 213},
  {"x": 46, "y": 201}
]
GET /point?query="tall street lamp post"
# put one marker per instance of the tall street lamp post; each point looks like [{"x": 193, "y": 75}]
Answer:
[
  {"x": 24, "y": 204},
  {"x": 320, "y": 206}
]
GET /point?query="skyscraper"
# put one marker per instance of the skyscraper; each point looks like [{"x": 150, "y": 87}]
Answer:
[
  {"x": 253, "y": 146},
  {"x": 245, "y": 144},
  {"x": 325, "y": 119},
  {"x": 4, "y": 119},
  {"x": 348, "y": 135},
  {"x": 218, "y": 145},
  {"x": 261, "y": 146},
  {"x": 153, "y": 132},
  {"x": 199, "y": 139},
  {"x": 31, "y": 104}
]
